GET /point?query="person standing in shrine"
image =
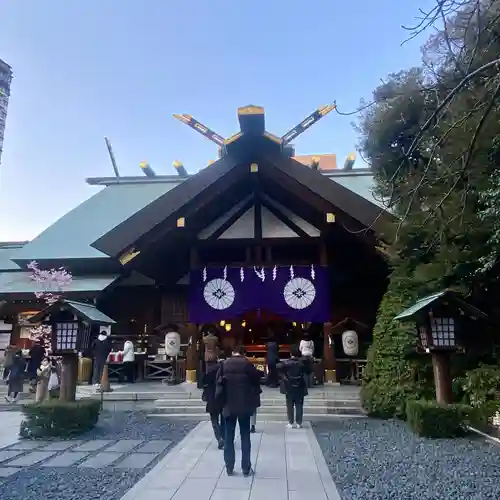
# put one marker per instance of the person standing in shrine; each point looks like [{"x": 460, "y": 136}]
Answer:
[
  {"x": 213, "y": 406},
  {"x": 306, "y": 347},
  {"x": 238, "y": 383},
  {"x": 272, "y": 360},
  {"x": 36, "y": 355},
  {"x": 294, "y": 372},
  {"x": 211, "y": 344},
  {"x": 101, "y": 349}
]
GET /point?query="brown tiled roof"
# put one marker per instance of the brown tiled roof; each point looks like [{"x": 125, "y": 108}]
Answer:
[{"x": 326, "y": 162}]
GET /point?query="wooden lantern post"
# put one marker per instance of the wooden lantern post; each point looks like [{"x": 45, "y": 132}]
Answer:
[
  {"x": 191, "y": 355},
  {"x": 329, "y": 354}
]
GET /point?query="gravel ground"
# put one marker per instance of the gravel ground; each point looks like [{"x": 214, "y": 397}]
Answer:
[
  {"x": 71, "y": 483},
  {"x": 382, "y": 460}
]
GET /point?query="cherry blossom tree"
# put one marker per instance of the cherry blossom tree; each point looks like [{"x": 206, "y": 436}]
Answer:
[{"x": 52, "y": 283}]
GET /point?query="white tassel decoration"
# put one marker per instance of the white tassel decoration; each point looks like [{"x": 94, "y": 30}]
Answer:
[
  {"x": 275, "y": 272},
  {"x": 291, "y": 272},
  {"x": 242, "y": 274},
  {"x": 313, "y": 272},
  {"x": 261, "y": 274},
  {"x": 225, "y": 272},
  {"x": 204, "y": 274}
]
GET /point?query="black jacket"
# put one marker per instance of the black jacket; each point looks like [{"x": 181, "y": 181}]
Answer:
[
  {"x": 209, "y": 386},
  {"x": 37, "y": 353},
  {"x": 238, "y": 387},
  {"x": 102, "y": 348},
  {"x": 293, "y": 373},
  {"x": 273, "y": 353}
]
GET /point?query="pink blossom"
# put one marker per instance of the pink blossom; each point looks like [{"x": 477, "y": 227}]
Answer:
[{"x": 52, "y": 282}]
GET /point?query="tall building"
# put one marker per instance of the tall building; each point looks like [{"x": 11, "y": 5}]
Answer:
[{"x": 5, "y": 79}]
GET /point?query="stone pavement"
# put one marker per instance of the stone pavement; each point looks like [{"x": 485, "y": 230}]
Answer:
[
  {"x": 9, "y": 427},
  {"x": 288, "y": 463}
]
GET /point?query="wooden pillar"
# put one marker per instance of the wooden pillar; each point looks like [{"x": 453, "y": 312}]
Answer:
[
  {"x": 442, "y": 377},
  {"x": 329, "y": 359},
  {"x": 192, "y": 354},
  {"x": 69, "y": 373}
]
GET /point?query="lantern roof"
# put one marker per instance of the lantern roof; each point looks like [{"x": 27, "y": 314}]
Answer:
[
  {"x": 85, "y": 312},
  {"x": 424, "y": 304}
]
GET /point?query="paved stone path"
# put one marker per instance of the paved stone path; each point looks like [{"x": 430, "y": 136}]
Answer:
[
  {"x": 288, "y": 463},
  {"x": 9, "y": 427}
]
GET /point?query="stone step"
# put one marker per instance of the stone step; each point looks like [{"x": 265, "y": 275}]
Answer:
[
  {"x": 265, "y": 417},
  {"x": 276, "y": 410},
  {"x": 277, "y": 402}
]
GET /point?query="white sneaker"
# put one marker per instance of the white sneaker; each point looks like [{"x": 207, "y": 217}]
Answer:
[
  {"x": 8, "y": 399},
  {"x": 290, "y": 426},
  {"x": 299, "y": 426}
]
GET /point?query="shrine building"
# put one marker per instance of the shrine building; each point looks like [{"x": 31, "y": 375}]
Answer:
[{"x": 260, "y": 243}]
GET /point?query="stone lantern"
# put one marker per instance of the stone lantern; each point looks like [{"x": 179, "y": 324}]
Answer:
[
  {"x": 74, "y": 325},
  {"x": 439, "y": 326}
]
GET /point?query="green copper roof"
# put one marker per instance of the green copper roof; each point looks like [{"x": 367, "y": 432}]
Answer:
[
  {"x": 71, "y": 236},
  {"x": 87, "y": 312},
  {"x": 20, "y": 282},
  {"x": 420, "y": 304},
  {"x": 361, "y": 183}
]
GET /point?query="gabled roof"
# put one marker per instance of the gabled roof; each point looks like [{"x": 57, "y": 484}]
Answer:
[
  {"x": 7, "y": 250},
  {"x": 72, "y": 235},
  {"x": 87, "y": 312},
  {"x": 424, "y": 303}
]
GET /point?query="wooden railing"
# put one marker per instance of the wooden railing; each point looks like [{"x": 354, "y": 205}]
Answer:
[{"x": 350, "y": 370}]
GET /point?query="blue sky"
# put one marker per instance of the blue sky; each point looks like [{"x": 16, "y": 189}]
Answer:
[{"x": 86, "y": 69}]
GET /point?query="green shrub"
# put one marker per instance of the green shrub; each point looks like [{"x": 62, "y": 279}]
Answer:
[
  {"x": 481, "y": 385},
  {"x": 432, "y": 420},
  {"x": 54, "y": 418},
  {"x": 392, "y": 377}
]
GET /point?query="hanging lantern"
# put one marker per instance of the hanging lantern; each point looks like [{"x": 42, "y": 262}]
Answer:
[
  {"x": 172, "y": 343},
  {"x": 350, "y": 343}
]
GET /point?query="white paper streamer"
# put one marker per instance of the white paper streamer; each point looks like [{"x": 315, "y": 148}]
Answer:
[
  {"x": 225, "y": 272},
  {"x": 275, "y": 272},
  {"x": 260, "y": 273},
  {"x": 329, "y": 340},
  {"x": 313, "y": 272},
  {"x": 204, "y": 274},
  {"x": 242, "y": 274},
  {"x": 291, "y": 272}
]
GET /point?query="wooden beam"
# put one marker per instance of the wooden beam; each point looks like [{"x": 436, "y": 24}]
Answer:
[
  {"x": 229, "y": 222},
  {"x": 285, "y": 220}
]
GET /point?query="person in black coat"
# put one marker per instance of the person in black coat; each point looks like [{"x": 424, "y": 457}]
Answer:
[
  {"x": 213, "y": 407},
  {"x": 36, "y": 355},
  {"x": 238, "y": 389},
  {"x": 273, "y": 357},
  {"x": 16, "y": 377},
  {"x": 101, "y": 349},
  {"x": 294, "y": 372}
]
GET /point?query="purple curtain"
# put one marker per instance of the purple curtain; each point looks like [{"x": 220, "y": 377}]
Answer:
[{"x": 297, "y": 293}]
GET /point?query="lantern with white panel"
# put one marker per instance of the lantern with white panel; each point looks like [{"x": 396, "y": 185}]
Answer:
[
  {"x": 74, "y": 325},
  {"x": 439, "y": 326}
]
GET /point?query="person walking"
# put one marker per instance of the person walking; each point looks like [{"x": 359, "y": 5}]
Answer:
[
  {"x": 101, "y": 349},
  {"x": 42, "y": 385},
  {"x": 272, "y": 361},
  {"x": 213, "y": 407},
  {"x": 16, "y": 377},
  {"x": 306, "y": 347},
  {"x": 36, "y": 355},
  {"x": 294, "y": 372},
  {"x": 7, "y": 362},
  {"x": 129, "y": 361},
  {"x": 238, "y": 382}
]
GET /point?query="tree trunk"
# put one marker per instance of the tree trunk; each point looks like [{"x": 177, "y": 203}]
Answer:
[{"x": 69, "y": 372}]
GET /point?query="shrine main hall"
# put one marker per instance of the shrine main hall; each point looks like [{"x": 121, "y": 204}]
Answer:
[{"x": 259, "y": 243}]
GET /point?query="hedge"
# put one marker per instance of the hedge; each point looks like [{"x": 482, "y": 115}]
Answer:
[
  {"x": 55, "y": 418},
  {"x": 430, "y": 419},
  {"x": 392, "y": 377}
]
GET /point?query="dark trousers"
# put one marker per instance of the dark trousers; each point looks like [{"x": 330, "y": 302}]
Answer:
[
  {"x": 129, "y": 371},
  {"x": 229, "y": 454},
  {"x": 295, "y": 409},
  {"x": 97, "y": 371},
  {"x": 218, "y": 425},
  {"x": 272, "y": 375}
]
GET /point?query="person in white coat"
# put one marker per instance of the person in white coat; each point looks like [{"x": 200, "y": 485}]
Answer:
[
  {"x": 129, "y": 361},
  {"x": 306, "y": 348}
]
